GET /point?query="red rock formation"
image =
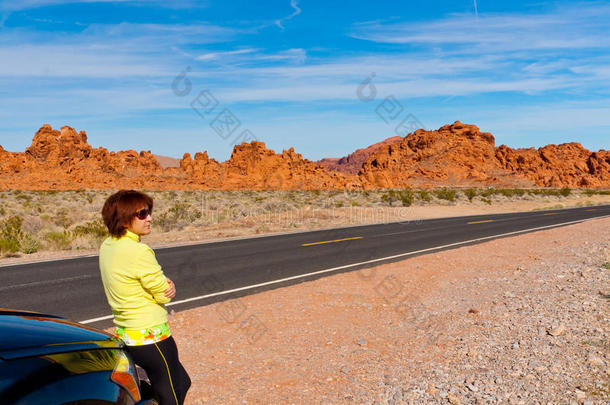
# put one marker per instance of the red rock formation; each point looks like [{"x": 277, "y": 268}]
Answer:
[
  {"x": 461, "y": 155},
  {"x": 253, "y": 166},
  {"x": 454, "y": 155},
  {"x": 352, "y": 163},
  {"x": 64, "y": 160},
  {"x": 565, "y": 165}
]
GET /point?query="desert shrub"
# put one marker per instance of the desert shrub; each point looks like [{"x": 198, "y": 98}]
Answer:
[
  {"x": 185, "y": 211},
  {"x": 177, "y": 216},
  {"x": 14, "y": 239},
  {"x": 20, "y": 195},
  {"x": 95, "y": 229},
  {"x": 553, "y": 192},
  {"x": 486, "y": 200},
  {"x": 165, "y": 221},
  {"x": 511, "y": 192},
  {"x": 49, "y": 192},
  {"x": 405, "y": 196},
  {"x": 169, "y": 195},
  {"x": 424, "y": 195},
  {"x": 2, "y": 212},
  {"x": 8, "y": 246},
  {"x": 470, "y": 193},
  {"x": 487, "y": 192},
  {"x": 388, "y": 197},
  {"x": 10, "y": 228},
  {"x": 59, "y": 240},
  {"x": 28, "y": 243},
  {"x": 445, "y": 194},
  {"x": 62, "y": 218}
]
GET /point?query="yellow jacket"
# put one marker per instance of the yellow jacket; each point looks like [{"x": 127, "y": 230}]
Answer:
[{"x": 133, "y": 282}]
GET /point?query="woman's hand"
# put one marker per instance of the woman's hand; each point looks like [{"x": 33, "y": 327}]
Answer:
[{"x": 171, "y": 291}]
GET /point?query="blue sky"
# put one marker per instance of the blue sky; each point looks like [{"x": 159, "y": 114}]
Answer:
[{"x": 289, "y": 72}]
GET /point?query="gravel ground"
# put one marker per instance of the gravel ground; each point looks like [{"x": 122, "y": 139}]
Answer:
[{"x": 520, "y": 320}]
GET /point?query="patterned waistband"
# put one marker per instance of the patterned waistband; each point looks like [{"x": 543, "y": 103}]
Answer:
[{"x": 146, "y": 336}]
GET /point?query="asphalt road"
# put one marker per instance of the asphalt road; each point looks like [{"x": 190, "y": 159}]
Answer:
[{"x": 211, "y": 272}]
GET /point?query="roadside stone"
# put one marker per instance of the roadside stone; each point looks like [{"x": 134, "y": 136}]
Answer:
[
  {"x": 557, "y": 331},
  {"x": 595, "y": 360},
  {"x": 454, "y": 399}
]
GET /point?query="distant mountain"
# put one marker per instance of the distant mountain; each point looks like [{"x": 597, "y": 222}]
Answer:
[
  {"x": 352, "y": 163},
  {"x": 166, "y": 161}
]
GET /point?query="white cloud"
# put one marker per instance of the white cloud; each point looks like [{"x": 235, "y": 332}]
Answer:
[
  {"x": 219, "y": 55},
  {"x": 14, "y": 5},
  {"x": 575, "y": 27},
  {"x": 103, "y": 50},
  {"x": 297, "y": 11}
]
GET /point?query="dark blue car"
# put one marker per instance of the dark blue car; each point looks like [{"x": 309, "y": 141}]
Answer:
[{"x": 47, "y": 360}]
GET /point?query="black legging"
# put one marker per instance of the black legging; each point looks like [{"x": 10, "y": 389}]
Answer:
[{"x": 168, "y": 378}]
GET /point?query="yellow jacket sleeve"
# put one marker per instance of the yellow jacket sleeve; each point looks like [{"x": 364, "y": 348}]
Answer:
[{"x": 151, "y": 276}]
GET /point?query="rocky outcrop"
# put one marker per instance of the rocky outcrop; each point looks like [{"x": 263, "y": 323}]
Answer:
[
  {"x": 352, "y": 163},
  {"x": 64, "y": 160},
  {"x": 453, "y": 155},
  {"x": 462, "y": 155},
  {"x": 565, "y": 165},
  {"x": 458, "y": 155},
  {"x": 253, "y": 166}
]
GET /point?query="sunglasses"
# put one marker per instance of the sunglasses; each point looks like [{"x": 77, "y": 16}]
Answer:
[{"x": 143, "y": 213}]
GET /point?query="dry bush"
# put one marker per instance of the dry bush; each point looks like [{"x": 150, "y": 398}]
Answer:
[{"x": 58, "y": 240}]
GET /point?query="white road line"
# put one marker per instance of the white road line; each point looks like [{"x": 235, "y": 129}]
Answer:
[
  {"x": 347, "y": 266},
  {"x": 47, "y": 282}
]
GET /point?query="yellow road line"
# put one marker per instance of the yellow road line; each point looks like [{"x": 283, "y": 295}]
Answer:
[
  {"x": 591, "y": 209},
  {"x": 331, "y": 241},
  {"x": 479, "y": 222},
  {"x": 550, "y": 213}
]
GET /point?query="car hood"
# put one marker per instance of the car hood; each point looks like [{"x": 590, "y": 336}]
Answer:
[{"x": 24, "y": 334}]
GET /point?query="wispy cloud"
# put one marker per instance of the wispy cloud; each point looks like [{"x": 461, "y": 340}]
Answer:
[
  {"x": 13, "y": 5},
  {"x": 112, "y": 69},
  {"x": 219, "y": 55},
  {"x": 104, "y": 50},
  {"x": 230, "y": 62},
  {"x": 574, "y": 27},
  {"x": 297, "y": 11}
]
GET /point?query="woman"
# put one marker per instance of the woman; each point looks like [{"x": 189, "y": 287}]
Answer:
[{"x": 137, "y": 290}]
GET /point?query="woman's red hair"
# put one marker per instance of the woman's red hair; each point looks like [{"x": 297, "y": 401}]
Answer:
[{"x": 120, "y": 208}]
